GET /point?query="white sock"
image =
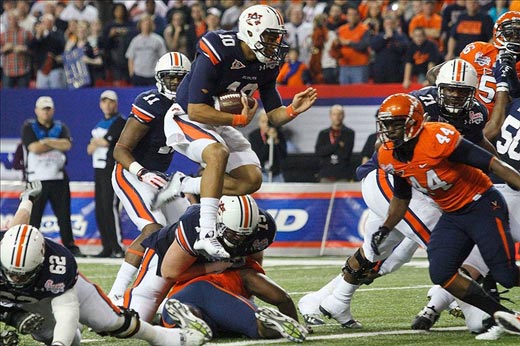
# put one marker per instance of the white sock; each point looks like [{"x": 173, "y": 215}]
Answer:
[
  {"x": 344, "y": 291},
  {"x": 191, "y": 185},
  {"x": 124, "y": 277},
  {"x": 208, "y": 217},
  {"x": 440, "y": 299},
  {"x": 156, "y": 335},
  {"x": 310, "y": 303}
]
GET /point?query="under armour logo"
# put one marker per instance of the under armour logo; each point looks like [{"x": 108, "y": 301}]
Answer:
[{"x": 495, "y": 205}]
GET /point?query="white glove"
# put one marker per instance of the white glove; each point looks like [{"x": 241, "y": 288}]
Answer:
[
  {"x": 32, "y": 191},
  {"x": 155, "y": 178}
]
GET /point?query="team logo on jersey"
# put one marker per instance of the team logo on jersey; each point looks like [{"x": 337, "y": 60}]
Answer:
[
  {"x": 54, "y": 288},
  {"x": 388, "y": 168},
  {"x": 481, "y": 59},
  {"x": 254, "y": 19},
  {"x": 237, "y": 65},
  {"x": 475, "y": 118},
  {"x": 495, "y": 205}
]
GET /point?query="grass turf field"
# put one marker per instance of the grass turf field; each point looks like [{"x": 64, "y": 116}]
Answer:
[{"x": 386, "y": 307}]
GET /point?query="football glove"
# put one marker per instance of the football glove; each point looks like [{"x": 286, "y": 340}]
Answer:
[
  {"x": 504, "y": 72},
  {"x": 155, "y": 178},
  {"x": 32, "y": 191},
  {"x": 378, "y": 238}
]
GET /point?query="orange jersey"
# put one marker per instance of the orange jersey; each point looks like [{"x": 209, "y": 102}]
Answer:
[
  {"x": 451, "y": 185},
  {"x": 482, "y": 56}
]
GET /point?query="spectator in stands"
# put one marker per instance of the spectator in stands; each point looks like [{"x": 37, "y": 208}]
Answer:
[
  {"x": 334, "y": 147},
  {"x": 471, "y": 26},
  {"x": 374, "y": 19},
  {"x": 311, "y": 9},
  {"x": 197, "y": 28},
  {"x": 158, "y": 20},
  {"x": 261, "y": 139},
  {"x": 430, "y": 21},
  {"x": 48, "y": 44},
  {"x": 213, "y": 19},
  {"x": 95, "y": 38},
  {"x": 46, "y": 141},
  {"x": 16, "y": 59},
  {"x": 421, "y": 55},
  {"x": 60, "y": 24},
  {"x": 143, "y": 52},
  {"x": 299, "y": 33},
  {"x": 450, "y": 14},
  {"x": 404, "y": 10},
  {"x": 230, "y": 15},
  {"x": 323, "y": 67},
  {"x": 336, "y": 17},
  {"x": 351, "y": 49},
  {"x": 499, "y": 9},
  {"x": 175, "y": 34},
  {"x": 25, "y": 19},
  {"x": 7, "y": 7},
  {"x": 294, "y": 72},
  {"x": 368, "y": 147},
  {"x": 389, "y": 47},
  {"x": 104, "y": 138},
  {"x": 117, "y": 35},
  {"x": 79, "y": 10}
]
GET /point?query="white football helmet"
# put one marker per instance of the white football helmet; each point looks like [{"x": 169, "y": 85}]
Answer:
[
  {"x": 261, "y": 27},
  {"x": 456, "y": 85},
  {"x": 237, "y": 217},
  {"x": 169, "y": 72},
  {"x": 22, "y": 252}
]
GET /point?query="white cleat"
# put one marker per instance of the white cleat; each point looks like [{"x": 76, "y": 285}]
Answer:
[
  {"x": 510, "y": 322},
  {"x": 169, "y": 192},
  {"x": 426, "y": 318},
  {"x": 211, "y": 247},
  {"x": 191, "y": 337},
  {"x": 331, "y": 307},
  {"x": 182, "y": 316},
  {"x": 493, "y": 333},
  {"x": 285, "y": 325}
]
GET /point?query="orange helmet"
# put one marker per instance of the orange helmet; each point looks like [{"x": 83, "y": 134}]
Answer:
[
  {"x": 400, "y": 118},
  {"x": 506, "y": 32}
]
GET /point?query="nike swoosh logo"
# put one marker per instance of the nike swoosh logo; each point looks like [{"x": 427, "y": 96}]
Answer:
[{"x": 422, "y": 166}]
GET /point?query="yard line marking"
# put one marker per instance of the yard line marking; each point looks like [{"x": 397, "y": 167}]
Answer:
[
  {"x": 339, "y": 336},
  {"x": 379, "y": 289}
]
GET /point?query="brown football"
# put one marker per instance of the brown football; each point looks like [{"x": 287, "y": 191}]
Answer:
[{"x": 230, "y": 102}]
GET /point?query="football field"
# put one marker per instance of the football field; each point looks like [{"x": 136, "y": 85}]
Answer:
[{"x": 385, "y": 308}]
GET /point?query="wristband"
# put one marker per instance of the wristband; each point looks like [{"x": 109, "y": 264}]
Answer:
[
  {"x": 290, "y": 111},
  {"x": 239, "y": 120},
  {"x": 135, "y": 167}
]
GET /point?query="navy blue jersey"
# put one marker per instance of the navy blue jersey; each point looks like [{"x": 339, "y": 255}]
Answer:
[
  {"x": 220, "y": 66},
  {"x": 186, "y": 234},
  {"x": 507, "y": 142},
  {"x": 58, "y": 274},
  {"x": 149, "y": 108},
  {"x": 473, "y": 124}
]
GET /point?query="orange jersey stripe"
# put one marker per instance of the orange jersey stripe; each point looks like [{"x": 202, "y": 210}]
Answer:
[
  {"x": 133, "y": 196},
  {"x": 141, "y": 115},
  {"x": 181, "y": 239},
  {"x": 502, "y": 233},
  {"x": 207, "y": 51},
  {"x": 192, "y": 132},
  {"x": 102, "y": 294}
]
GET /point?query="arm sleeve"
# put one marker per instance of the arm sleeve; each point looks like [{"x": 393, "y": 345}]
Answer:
[
  {"x": 65, "y": 309},
  {"x": 472, "y": 155},
  {"x": 402, "y": 189}
]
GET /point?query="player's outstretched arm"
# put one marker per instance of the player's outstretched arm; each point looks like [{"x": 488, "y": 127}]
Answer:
[
  {"x": 505, "y": 172},
  {"x": 23, "y": 213},
  {"x": 498, "y": 115},
  {"x": 302, "y": 101},
  {"x": 65, "y": 309}
]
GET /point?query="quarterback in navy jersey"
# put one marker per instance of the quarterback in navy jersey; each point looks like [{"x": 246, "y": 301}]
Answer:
[
  {"x": 243, "y": 61},
  {"x": 142, "y": 159},
  {"x": 243, "y": 230}
]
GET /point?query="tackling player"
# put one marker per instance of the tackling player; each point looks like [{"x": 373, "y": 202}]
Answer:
[
  {"x": 142, "y": 158},
  {"x": 40, "y": 276},
  {"x": 245, "y": 61}
]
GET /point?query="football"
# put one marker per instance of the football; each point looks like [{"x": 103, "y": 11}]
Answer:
[{"x": 230, "y": 102}]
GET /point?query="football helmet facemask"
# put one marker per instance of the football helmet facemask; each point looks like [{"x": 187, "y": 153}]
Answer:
[
  {"x": 237, "y": 218},
  {"x": 22, "y": 252},
  {"x": 400, "y": 118},
  {"x": 261, "y": 27},
  {"x": 169, "y": 72},
  {"x": 506, "y": 32},
  {"x": 456, "y": 85}
]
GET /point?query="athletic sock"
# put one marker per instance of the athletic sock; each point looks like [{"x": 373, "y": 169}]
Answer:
[
  {"x": 124, "y": 277},
  {"x": 208, "y": 217},
  {"x": 191, "y": 185}
]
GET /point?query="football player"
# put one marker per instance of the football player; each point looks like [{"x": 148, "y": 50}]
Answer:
[
  {"x": 244, "y": 61},
  {"x": 223, "y": 301},
  {"x": 142, "y": 158},
  {"x": 435, "y": 159},
  {"x": 243, "y": 230},
  {"x": 40, "y": 276}
]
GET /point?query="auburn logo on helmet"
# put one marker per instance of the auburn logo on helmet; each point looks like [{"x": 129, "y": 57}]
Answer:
[{"x": 254, "y": 19}]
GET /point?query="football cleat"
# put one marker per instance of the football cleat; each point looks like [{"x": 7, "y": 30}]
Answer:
[
  {"x": 455, "y": 310},
  {"x": 509, "y": 321},
  {"x": 211, "y": 248},
  {"x": 9, "y": 338},
  {"x": 285, "y": 325},
  {"x": 181, "y": 314},
  {"x": 331, "y": 307},
  {"x": 191, "y": 337},
  {"x": 28, "y": 322},
  {"x": 426, "y": 318},
  {"x": 493, "y": 333},
  {"x": 169, "y": 192},
  {"x": 313, "y": 319}
]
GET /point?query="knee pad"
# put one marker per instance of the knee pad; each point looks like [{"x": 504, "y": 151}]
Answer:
[
  {"x": 130, "y": 326},
  {"x": 363, "y": 275}
]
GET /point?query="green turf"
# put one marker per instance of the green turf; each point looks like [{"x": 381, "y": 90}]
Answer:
[{"x": 388, "y": 305}]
